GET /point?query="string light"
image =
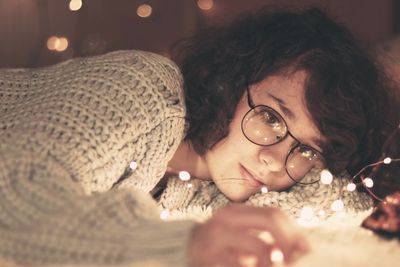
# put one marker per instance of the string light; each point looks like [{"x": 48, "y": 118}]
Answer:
[
  {"x": 276, "y": 255},
  {"x": 368, "y": 182},
  {"x": 144, "y": 11},
  {"x": 321, "y": 213},
  {"x": 307, "y": 213},
  {"x": 164, "y": 214},
  {"x": 264, "y": 189},
  {"x": 266, "y": 237},
  {"x": 387, "y": 160},
  {"x": 184, "y": 175},
  {"x": 337, "y": 205},
  {"x": 307, "y": 216},
  {"x": 205, "y": 4},
  {"x": 133, "y": 165},
  {"x": 248, "y": 261},
  {"x": 326, "y": 177},
  {"x": 351, "y": 187},
  {"x": 75, "y": 5}
]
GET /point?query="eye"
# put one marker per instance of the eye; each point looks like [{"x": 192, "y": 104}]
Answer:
[
  {"x": 270, "y": 118},
  {"x": 307, "y": 152}
]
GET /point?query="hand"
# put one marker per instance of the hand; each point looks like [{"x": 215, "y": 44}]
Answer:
[{"x": 229, "y": 235}]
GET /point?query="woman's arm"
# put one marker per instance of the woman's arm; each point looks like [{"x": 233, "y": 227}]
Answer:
[{"x": 47, "y": 219}]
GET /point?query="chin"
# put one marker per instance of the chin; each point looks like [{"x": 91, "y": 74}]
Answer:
[
  {"x": 236, "y": 194},
  {"x": 237, "y": 199}
]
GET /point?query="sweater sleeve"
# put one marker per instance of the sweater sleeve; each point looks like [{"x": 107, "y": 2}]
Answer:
[
  {"x": 96, "y": 115},
  {"x": 46, "y": 219},
  {"x": 68, "y": 133}
]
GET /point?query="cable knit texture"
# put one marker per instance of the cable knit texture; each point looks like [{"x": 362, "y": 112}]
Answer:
[
  {"x": 68, "y": 132},
  {"x": 199, "y": 199}
]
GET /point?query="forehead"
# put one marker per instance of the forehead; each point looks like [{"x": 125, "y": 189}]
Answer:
[{"x": 285, "y": 94}]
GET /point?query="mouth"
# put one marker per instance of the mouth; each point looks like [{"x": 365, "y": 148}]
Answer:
[{"x": 249, "y": 177}]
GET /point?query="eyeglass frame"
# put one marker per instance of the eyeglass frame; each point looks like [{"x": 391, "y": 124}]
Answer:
[{"x": 252, "y": 107}]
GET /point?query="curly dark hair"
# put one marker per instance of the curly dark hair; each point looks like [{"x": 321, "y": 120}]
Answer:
[{"x": 346, "y": 94}]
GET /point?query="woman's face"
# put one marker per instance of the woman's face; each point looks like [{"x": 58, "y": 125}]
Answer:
[{"x": 239, "y": 167}]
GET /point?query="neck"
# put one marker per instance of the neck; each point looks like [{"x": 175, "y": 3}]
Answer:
[{"x": 186, "y": 159}]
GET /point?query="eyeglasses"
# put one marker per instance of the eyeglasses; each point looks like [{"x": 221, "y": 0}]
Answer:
[{"x": 264, "y": 126}]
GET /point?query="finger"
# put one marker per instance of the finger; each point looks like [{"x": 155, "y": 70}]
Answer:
[
  {"x": 286, "y": 234},
  {"x": 241, "y": 243},
  {"x": 213, "y": 239},
  {"x": 230, "y": 259},
  {"x": 224, "y": 259}
]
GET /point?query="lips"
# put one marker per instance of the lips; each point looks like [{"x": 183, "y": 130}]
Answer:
[{"x": 248, "y": 176}]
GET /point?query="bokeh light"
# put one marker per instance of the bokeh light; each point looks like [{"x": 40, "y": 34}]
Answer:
[
  {"x": 387, "y": 160},
  {"x": 368, "y": 182},
  {"x": 62, "y": 44},
  {"x": 58, "y": 44},
  {"x": 184, "y": 175},
  {"x": 205, "y": 4},
  {"x": 326, "y": 177},
  {"x": 133, "y": 165},
  {"x": 51, "y": 42},
  {"x": 144, "y": 11},
  {"x": 264, "y": 189},
  {"x": 351, "y": 187},
  {"x": 337, "y": 205},
  {"x": 75, "y": 5},
  {"x": 276, "y": 255}
]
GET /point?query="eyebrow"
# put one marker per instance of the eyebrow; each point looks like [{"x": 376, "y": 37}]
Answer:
[
  {"x": 315, "y": 142},
  {"x": 282, "y": 106}
]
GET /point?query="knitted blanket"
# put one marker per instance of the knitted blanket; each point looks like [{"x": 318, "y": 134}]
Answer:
[
  {"x": 198, "y": 199},
  {"x": 336, "y": 238}
]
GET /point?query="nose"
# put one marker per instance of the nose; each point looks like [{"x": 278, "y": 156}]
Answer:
[{"x": 274, "y": 156}]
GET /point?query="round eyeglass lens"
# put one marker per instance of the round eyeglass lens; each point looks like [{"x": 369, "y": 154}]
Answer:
[
  {"x": 300, "y": 161},
  {"x": 263, "y": 126}
]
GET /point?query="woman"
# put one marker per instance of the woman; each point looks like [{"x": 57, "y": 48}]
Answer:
[
  {"x": 268, "y": 99},
  {"x": 323, "y": 101}
]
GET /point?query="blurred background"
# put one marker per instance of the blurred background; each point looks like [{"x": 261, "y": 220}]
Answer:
[{"x": 43, "y": 32}]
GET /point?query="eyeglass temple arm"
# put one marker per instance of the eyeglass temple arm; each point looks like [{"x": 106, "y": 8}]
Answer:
[{"x": 249, "y": 100}]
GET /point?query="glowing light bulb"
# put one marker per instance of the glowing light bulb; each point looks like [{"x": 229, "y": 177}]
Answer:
[
  {"x": 264, "y": 189},
  {"x": 351, "y": 187},
  {"x": 75, "y": 5},
  {"x": 387, "y": 160},
  {"x": 133, "y": 165},
  {"x": 189, "y": 185},
  {"x": 276, "y": 255},
  {"x": 205, "y": 4},
  {"x": 326, "y": 177},
  {"x": 266, "y": 237},
  {"x": 368, "y": 182},
  {"x": 248, "y": 261},
  {"x": 184, "y": 175},
  {"x": 144, "y": 11},
  {"x": 164, "y": 214},
  {"x": 337, "y": 205}
]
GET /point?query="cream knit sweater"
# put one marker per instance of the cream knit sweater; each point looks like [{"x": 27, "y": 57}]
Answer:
[{"x": 68, "y": 134}]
